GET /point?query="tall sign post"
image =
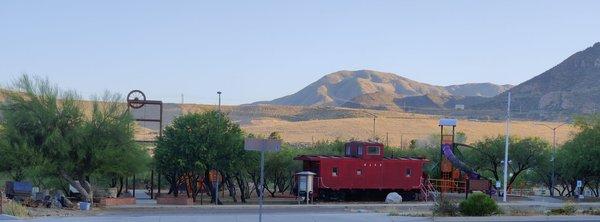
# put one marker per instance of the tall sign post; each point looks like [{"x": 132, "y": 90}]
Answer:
[
  {"x": 262, "y": 145},
  {"x": 136, "y": 99}
]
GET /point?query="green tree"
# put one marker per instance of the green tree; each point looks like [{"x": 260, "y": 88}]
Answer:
[
  {"x": 488, "y": 154},
  {"x": 579, "y": 157},
  {"x": 196, "y": 143},
  {"x": 50, "y": 128}
]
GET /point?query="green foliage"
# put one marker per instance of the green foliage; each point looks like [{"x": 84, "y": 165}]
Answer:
[
  {"x": 578, "y": 158},
  {"x": 479, "y": 204},
  {"x": 15, "y": 209},
  {"x": 592, "y": 211},
  {"x": 48, "y": 134},
  {"x": 280, "y": 168},
  {"x": 196, "y": 143},
  {"x": 445, "y": 207},
  {"x": 567, "y": 209},
  {"x": 524, "y": 154}
]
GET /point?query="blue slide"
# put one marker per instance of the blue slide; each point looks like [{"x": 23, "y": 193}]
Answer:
[{"x": 447, "y": 150}]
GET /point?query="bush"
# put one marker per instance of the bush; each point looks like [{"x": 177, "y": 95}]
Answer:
[
  {"x": 15, "y": 209},
  {"x": 567, "y": 209},
  {"x": 592, "y": 211},
  {"x": 479, "y": 204},
  {"x": 445, "y": 207}
]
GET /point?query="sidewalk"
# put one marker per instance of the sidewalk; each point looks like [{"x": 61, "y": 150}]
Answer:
[
  {"x": 152, "y": 204},
  {"x": 7, "y": 217},
  {"x": 302, "y": 217}
]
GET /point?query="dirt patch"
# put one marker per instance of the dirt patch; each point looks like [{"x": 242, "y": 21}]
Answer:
[{"x": 54, "y": 212}]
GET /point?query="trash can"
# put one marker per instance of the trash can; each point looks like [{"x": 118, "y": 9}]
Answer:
[{"x": 84, "y": 206}]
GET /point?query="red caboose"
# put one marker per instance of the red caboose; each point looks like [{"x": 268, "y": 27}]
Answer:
[{"x": 363, "y": 173}]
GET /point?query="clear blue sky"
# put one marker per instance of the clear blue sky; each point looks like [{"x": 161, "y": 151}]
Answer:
[{"x": 261, "y": 50}]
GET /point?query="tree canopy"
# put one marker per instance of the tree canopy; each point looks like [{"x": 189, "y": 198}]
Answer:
[{"x": 44, "y": 126}]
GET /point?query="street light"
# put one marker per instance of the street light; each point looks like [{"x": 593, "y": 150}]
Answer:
[
  {"x": 219, "y": 107},
  {"x": 553, "y": 153},
  {"x": 216, "y": 171}
]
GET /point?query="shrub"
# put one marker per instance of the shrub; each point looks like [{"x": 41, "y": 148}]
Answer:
[
  {"x": 567, "y": 209},
  {"x": 15, "y": 209},
  {"x": 479, "y": 204},
  {"x": 445, "y": 207},
  {"x": 592, "y": 211}
]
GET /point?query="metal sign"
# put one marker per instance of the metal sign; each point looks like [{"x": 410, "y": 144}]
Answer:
[
  {"x": 267, "y": 145},
  {"x": 448, "y": 122},
  {"x": 262, "y": 145}
]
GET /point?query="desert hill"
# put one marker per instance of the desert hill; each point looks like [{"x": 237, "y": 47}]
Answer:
[
  {"x": 374, "y": 89},
  {"x": 477, "y": 89},
  {"x": 571, "y": 87},
  {"x": 308, "y": 124}
]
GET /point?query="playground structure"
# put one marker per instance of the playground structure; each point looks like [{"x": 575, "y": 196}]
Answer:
[{"x": 455, "y": 176}]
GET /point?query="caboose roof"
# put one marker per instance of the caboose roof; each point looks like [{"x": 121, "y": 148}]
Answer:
[{"x": 335, "y": 157}]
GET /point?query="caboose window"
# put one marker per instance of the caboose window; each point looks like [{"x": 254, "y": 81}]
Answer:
[
  {"x": 348, "y": 150},
  {"x": 334, "y": 172},
  {"x": 360, "y": 150},
  {"x": 373, "y": 150},
  {"x": 408, "y": 172}
]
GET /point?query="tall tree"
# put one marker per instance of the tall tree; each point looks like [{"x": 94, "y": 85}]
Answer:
[
  {"x": 581, "y": 154},
  {"x": 51, "y": 127},
  {"x": 195, "y": 144},
  {"x": 488, "y": 154}
]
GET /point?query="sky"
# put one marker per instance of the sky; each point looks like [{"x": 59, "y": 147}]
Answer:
[{"x": 261, "y": 50}]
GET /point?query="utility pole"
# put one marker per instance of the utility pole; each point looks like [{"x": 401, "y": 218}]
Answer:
[
  {"x": 374, "y": 118},
  {"x": 387, "y": 139},
  {"x": 374, "y": 135},
  {"x": 506, "y": 148},
  {"x": 552, "y": 178},
  {"x": 182, "y": 99},
  {"x": 402, "y": 141}
]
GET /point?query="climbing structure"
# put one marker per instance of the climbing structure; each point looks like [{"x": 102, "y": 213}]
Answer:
[{"x": 455, "y": 176}]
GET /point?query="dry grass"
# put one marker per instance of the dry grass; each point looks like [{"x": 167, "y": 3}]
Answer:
[{"x": 397, "y": 130}]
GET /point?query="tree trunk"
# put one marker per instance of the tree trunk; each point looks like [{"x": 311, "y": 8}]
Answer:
[
  {"x": 120, "y": 190},
  {"x": 243, "y": 187},
  {"x": 231, "y": 188},
  {"x": 211, "y": 189},
  {"x": 81, "y": 185}
]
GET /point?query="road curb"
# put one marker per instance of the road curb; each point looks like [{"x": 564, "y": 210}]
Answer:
[{"x": 8, "y": 217}]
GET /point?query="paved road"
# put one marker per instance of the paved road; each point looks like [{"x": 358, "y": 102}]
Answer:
[{"x": 302, "y": 217}]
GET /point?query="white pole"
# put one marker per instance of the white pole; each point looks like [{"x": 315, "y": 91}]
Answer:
[
  {"x": 262, "y": 183},
  {"x": 506, "y": 148}
]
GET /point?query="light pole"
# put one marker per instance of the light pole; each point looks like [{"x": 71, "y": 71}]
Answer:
[
  {"x": 219, "y": 107},
  {"x": 216, "y": 171},
  {"x": 506, "y": 149},
  {"x": 553, "y": 153}
]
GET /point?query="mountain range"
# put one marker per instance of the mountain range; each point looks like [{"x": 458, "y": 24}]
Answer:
[
  {"x": 380, "y": 90},
  {"x": 571, "y": 87}
]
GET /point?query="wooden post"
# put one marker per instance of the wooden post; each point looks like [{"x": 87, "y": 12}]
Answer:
[
  {"x": 152, "y": 184},
  {"x": 133, "y": 182}
]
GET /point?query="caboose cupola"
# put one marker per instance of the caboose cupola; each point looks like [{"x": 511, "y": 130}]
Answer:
[{"x": 364, "y": 150}]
